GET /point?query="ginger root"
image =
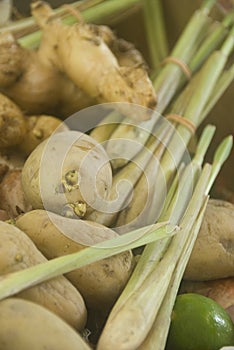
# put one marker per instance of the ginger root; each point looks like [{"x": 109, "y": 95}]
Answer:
[
  {"x": 37, "y": 87},
  {"x": 12, "y": 123},
  {"x": 81, "y": 52}
]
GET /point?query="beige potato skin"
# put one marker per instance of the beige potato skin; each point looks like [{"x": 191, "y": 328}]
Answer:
[
  {"x": 45, "y": 170},
  {"x": 12, "y": 198},
  {"x": 39, "y": 128},
  {"x": 25, "y": 325},
  {"x": 213, "y": 253},
  {"x": 58, "y": 295},
  {"x": 100, "y": 283}
]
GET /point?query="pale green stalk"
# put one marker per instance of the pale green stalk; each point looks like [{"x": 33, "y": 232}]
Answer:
[
  {"x": 127, "y": 327},
  {"x": 105, "y": 128},
  {"x": 155, "y": 32},
  {"x": 170, "y": 77},
  {"x": 223, "y": 83},
  {"x": 211, "y": 43},
  {"x": 125, "y": 180},
  {"x": 172, "y": 212},
  {"x": 208, "y": 77},
  {"x": 15, "y": 282},
  {"x": 156, "y": 339},
  {"x": 221, "y": 155}
]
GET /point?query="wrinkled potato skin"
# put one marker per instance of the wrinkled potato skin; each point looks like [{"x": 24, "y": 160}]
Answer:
[
  {"x": 38, "y": 129},
  {"x": 58, "y": 295},
  {"x": 213, "y": 253},
  {"x": 100, "y": 283},
  {"x": 12, "y": 198},
  {"x": 25, "y": 325}
]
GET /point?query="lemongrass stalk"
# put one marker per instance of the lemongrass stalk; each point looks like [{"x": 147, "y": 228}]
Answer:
[
  {"x": 127, "y": 327},
  {"x": 221, "y": 155},
  {"x": 223, "y": 83},
  {"x": 15, "y": 282},
  {"x": 177, "y": 202},
  {"x": 125, "y": 180},
  {"x": 208, "y": 77},
  {"x": 212, "y": 42},
  {"x": 170, "y": 77},
  {"x": 161, "y": 324},
  {"x": 135, "y": 214},
  {"x": 156, "y": 339},
  {"x": 105, "y": 128},
  {"x": 155, "y": 31},
  {"x": 184, "y": 50},
  {"x": 96, "y": 14}
]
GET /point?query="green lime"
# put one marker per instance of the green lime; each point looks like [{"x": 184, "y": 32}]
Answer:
[{"x": 199, "y": 323}]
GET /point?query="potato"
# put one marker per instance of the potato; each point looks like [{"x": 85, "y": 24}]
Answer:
[
  {"x": 12, "y": 123},
  {"x": 213, "y": 253},
  {"x": 12, "y": 198},
  {"x": 40, "y": 128},
  {"x": 100, "y": 283},
  {"x": 25, "y": 325},
  {"x": 69, "y": 174},
  {"x": 18, "y": 252}
]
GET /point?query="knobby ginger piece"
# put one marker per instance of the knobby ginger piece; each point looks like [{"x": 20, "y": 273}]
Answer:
[
  {"x": 81, "y": 52},
  {"x": 36, "y": 86}
]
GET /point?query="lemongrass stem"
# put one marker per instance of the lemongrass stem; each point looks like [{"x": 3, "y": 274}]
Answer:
[
  {"x": 155, "y": 31},
  {"x": 161, "y": 324},
  {"x": 170, "y": 77},
  {"x": 156, "y": 339},
  {"x": 125, "y": 180},
  {"x": 139, "y": 311},
  {"x": 223, "y": 83},
  {"x": 173, "y": 212},
  {"x": 221, "y": 155},
  {"x": 212, "y": 42},
  {"x": 105, "y": 128}
]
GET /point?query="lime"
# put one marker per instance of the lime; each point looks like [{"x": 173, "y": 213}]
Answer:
[{"x": 199, "y": 323}]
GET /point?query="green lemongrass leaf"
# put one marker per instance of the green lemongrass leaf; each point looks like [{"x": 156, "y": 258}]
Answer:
[
  {"x": 156, "y": 339},
  {"x": 153, "y": 253},
  {"x": 155, "y": 31},
  {"x": 204, "y": 143},
  {"x": 15, "y": 282},
  {"x": 224, "y": 81},
  {"x": 212, "y": 42},
  {"x": 222, "y": 153},
  {"x": 140, "y": 309},
  {"x": 169, "y": 80},
  {"x": 189, "y": 178}
]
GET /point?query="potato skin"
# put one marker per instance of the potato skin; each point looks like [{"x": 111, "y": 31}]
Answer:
[
  {"x": 100, "y": 283},
  {"x": 12, "y": 198},
  {"x": 25, "y": 325},
  {"x": 39, "y": 128},
  {"x": 58, "y": 295},
  {"x": 213, "y": 253},
  {"x": 47, "y": 173}
]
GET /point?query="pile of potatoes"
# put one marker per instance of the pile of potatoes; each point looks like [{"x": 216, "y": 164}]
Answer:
[{"x": 47, "y": 189}]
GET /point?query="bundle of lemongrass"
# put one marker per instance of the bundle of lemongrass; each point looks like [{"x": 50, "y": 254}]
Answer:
[{"x": 140, "y": 319}]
